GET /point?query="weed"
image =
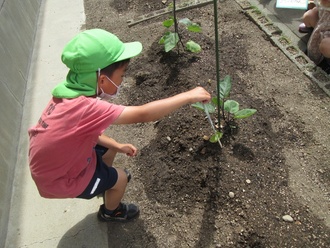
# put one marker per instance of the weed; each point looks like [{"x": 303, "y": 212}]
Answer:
[{"x": 255, "y": 10}]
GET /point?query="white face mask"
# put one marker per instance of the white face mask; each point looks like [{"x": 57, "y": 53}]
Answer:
[{"x": 105, "y": 96}]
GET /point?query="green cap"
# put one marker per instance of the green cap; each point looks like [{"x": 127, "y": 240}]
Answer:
[{"x": 86, "y": 53}]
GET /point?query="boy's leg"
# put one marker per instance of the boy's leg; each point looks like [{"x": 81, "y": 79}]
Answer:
[
  {"x": 109, "y": 157},
  {"x": 311, "y": 17},
  {"x": 113, "y": 196},
  {"x": 113, "y": 209},
  {"x": 325, "y": 47}
]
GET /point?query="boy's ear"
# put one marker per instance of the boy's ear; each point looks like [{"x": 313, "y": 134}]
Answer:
[{"x": 101, "y": 80}]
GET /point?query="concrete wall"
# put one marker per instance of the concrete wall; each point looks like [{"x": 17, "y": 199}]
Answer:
[{"x": 18, "y": 24}]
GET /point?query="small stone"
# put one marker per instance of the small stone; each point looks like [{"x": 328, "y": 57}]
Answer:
[
  {"x": 248, "y": 181},
  {"x": 168, "y": 138},
  {"x": 287, "y": 218},
  {"x": 205, "y": 137},
  {"x": 231, "y": 194}
]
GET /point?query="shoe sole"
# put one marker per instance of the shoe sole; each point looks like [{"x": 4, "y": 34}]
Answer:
[
  {"x": 305, "y": 30},
  {"x": 122, "y": 220}
]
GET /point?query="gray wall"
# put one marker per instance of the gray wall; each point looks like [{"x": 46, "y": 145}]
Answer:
[{"x": 18, "y": 24}]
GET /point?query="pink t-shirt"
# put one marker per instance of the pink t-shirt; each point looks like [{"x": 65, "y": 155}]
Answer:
[{"x": 62, "y": 158}]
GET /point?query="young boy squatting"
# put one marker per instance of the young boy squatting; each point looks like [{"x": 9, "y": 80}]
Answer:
[{"x": 69, "y": 155}]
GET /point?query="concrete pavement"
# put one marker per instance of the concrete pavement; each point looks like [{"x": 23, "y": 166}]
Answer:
[{"x": 35, "y": 222}]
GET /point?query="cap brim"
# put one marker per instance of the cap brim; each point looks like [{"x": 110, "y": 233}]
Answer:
[{"x": 132, "y": 49}]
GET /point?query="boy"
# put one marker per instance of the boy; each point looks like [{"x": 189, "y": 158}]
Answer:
[
  {"x": 318, "y": 19},
  {"x": 69, "y": 154}
]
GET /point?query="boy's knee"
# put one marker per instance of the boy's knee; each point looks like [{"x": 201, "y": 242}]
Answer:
[
  {"x": 310, "y": 17},
  {"x": 128, "y": 174},
  {"x": 325, "y": 47},
  {"x": 124, "y": 176}
]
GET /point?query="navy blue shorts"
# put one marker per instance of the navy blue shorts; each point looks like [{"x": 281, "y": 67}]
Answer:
[{"x": 104, "y": 177}]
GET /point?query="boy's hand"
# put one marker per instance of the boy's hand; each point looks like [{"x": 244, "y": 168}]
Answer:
[
  {"x": 199, "y": 94},
  {"x": 128, "y": 149}
]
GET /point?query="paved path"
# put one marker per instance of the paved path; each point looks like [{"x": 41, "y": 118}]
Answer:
[{"x": 36, "y": 222}]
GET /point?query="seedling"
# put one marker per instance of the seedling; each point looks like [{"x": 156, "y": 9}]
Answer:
[
  {"x": 171, "y": 39},
  {"x": 217, "y": 135},
  {"x": 230, "y": 110}
]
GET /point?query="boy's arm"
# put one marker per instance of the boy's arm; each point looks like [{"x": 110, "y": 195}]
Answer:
[
  {"x": 113, "y": 145},
  {"x": 155, "y": 110},
  {"x": 108, "y": 142}
]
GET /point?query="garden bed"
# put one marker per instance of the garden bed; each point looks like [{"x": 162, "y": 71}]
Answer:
[{"x": 191, "y": 192}]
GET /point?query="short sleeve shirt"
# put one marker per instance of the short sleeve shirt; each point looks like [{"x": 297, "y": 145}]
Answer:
[{"x": 61, "y": 154}]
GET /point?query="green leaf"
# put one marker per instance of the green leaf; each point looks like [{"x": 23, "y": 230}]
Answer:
[
  {"x": 168, "y": 23},
  {"x": 191, "y": 26},
  {"x": 244, "y": 113},
  {"x": 161, "y": 41},
  {"x": 193, "y": 47},
  {"x": 185, "y": 21},
  {"x": 231, "y": 106},
  {"x": 225, "y": 87},
  {"x": 214, "y": 101},
  {"x": 210, "y": 107},
  {"x": 198, "y": 105},
  {"x": 170, "y": 41},
  {"x": 216, "y": 137},
  {"x": 194, "y": 28}
]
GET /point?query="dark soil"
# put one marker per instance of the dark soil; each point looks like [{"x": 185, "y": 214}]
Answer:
[{"x": 276, "y": 164}]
